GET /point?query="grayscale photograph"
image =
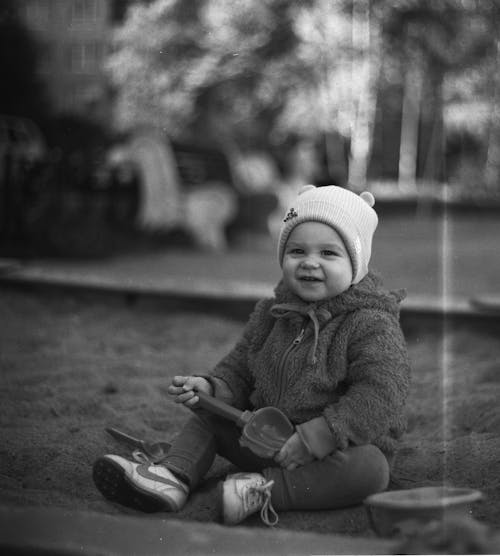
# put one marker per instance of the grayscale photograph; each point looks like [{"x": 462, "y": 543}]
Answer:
[{"x": 249, "y": 277}]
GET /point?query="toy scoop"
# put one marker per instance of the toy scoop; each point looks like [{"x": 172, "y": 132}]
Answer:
[{"x": 264, "y": 430}]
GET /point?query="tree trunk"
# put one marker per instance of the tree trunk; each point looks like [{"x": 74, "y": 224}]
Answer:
[
  {"x": 410, "y": 117},
  {"x": 432, "y": 138},
  {"x": 492, "y": 167},
  {"x": 364, "y": 106}
]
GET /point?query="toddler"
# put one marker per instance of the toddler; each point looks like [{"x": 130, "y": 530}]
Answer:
[{"x": 327, "y": 350}]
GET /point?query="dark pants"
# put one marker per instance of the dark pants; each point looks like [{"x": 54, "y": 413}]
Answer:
[{"x": 344, "y": 478}]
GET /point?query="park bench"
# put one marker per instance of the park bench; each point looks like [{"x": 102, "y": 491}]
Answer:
[
  {"x": 152, "y": 185},
  {"x": 192, "y": 188}
]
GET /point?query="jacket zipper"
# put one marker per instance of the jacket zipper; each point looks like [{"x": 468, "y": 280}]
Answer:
[{"x": 283, "y": 360}]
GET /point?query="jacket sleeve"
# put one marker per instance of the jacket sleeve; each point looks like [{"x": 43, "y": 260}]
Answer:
[
  {"x": 233, "y": 369},
  {"x": 377, "y": 383},
  {"x": 317, "y": 437}
]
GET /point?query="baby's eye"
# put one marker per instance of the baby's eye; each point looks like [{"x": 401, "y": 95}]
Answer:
[
  {"x": 329, "y": 253},
  {"x": 296, "y": 251}
]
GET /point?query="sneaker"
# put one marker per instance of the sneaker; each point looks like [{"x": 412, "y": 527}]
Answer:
[
  {"x": 142, "y": 486},
  {"x": 243, "y": 494}
]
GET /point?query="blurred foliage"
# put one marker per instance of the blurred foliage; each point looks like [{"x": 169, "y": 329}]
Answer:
[
  {"x": 219, "y": 65},
  {"x": 457, "y": 41},
  {"x": 251, "y": 74}
]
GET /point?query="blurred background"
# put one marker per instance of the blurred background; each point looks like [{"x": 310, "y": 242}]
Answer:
[{"x": 126, "y": 124}]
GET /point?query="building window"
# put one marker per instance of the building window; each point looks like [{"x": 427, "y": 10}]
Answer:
[
  {"x": 37, "y": 12},
  {"x": 81, "y": 98},
  {"x": 84, "y": 11},
  {"x": 85, "y": 57}
]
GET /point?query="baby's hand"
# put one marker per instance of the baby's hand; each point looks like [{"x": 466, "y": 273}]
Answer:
[
  {"x": 184, "y": 389},
  {"x": 293, "y": 453}
]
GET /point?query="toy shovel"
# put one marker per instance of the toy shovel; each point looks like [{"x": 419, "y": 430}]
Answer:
[
  {"x": 156, "y": 451},
  {"x": 264, "y": 430}
]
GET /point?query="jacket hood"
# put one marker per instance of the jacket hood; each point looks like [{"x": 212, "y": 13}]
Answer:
[{"x": 367, "y": 294}]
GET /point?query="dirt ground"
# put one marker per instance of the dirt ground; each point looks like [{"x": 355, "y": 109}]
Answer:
[{"x": 72, "y": 365}]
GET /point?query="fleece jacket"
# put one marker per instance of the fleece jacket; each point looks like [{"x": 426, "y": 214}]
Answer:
[{"x": 338, "y": 368}]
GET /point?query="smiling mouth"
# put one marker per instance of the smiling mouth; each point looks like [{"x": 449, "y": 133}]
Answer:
[{"x": 309, "y": 279}]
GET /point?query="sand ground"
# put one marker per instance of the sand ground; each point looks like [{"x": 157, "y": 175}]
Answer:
[{"x": 73, "y": 364}]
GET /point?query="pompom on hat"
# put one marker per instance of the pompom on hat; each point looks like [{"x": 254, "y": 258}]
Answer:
[{"x": 349, "y": 214}]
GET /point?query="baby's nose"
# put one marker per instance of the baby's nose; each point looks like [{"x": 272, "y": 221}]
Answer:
[{"x": 310, "y": 263}]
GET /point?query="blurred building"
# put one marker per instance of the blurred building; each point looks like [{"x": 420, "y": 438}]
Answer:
[{"x": 74, "y": 37}]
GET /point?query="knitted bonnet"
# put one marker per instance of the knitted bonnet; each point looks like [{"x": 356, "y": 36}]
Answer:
[{"x": 349, "y": 214}]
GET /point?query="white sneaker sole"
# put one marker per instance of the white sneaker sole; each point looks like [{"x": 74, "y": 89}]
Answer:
[
  {"x": 229, "y": 508},
  {"x": 114, "y": 484}
]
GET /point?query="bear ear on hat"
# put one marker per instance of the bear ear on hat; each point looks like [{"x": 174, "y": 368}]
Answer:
[
  {"x": 368, "y": 198},
  {"x": 305, "y": 188}
]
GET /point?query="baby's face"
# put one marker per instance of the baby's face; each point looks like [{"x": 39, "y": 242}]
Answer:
[{"x": 316, "y": 264}]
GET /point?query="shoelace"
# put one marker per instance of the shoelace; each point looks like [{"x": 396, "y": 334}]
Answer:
[{"x": 267, "y": 512}]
